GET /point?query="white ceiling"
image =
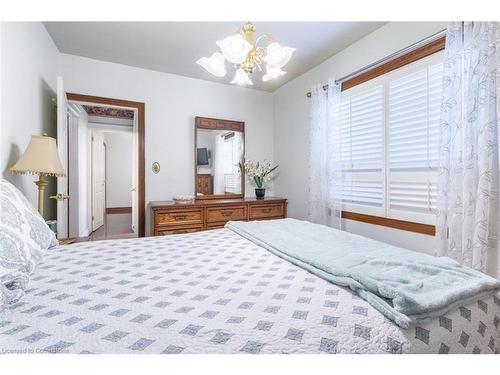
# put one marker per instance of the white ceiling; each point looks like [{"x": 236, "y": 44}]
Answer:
[{"x": 174, "y": 47}]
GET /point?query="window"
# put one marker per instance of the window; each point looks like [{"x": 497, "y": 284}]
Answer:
[{"x": 389, "y": 142}]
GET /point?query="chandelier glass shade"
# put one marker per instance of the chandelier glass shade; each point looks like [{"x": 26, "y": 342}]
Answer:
[
  {"x": 234, "y": 48},
  {"x": 272, "y": 72},
  {"x": 214, "y": 64},
  {"x": 248, "y": 55},
  {"x": 241, "y": 78}
]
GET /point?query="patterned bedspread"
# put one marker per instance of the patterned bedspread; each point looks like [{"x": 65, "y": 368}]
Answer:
[{"x": 213, "y": 292}]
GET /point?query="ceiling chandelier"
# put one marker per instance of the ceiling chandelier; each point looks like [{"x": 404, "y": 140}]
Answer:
[{"x": 247, "y": 55}]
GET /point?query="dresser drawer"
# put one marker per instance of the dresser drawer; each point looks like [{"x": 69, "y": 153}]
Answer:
[
  {"x": 178, "y": 217},
  {"x": 179, "y": 230},
  {"x": 215, "y": 214},
  {"x": 266, "y": 211}
]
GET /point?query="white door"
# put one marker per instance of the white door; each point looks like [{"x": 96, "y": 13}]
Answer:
[
  {"x": 72, "y": 173},
  {"x": 135, "y": 174},
  {"x": 62, "y": 147},
  {"x": 98, "y": 180}
]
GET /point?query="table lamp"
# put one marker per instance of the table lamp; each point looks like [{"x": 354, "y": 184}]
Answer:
[{"x": 40, "y": 158}]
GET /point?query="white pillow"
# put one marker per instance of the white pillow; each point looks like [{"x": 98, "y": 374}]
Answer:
[{"x": 24, "y": 239}]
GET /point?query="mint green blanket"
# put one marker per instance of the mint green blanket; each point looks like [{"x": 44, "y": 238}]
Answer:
[{"x": 406, "y": 286}]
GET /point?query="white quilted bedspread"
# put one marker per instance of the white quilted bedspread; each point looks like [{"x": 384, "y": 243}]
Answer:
[{"x": 213, "y": 292}]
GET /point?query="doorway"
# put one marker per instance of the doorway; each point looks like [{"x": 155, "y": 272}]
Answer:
[
  {"x": 72, "y": 147},
  {"x": 113, "y": 179}
]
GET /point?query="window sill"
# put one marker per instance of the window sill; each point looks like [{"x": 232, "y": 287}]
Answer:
[{"x": 392, "y": 223}]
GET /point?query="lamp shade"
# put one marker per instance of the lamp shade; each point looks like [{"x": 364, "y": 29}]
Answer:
[
  {"x": 272, "y": 72},
  {"x": 40, "y": 157},
  {"x": 214, "y": 64},
  {"x": 241, "y": 78},
  {"x": 278, "y": 56},
  {"x": 235, "y": 48}
]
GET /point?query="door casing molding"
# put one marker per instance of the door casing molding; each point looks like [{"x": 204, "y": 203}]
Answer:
[{"x": 141, "y": 184}]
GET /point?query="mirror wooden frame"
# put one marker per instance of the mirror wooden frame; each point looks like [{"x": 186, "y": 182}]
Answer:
[{"x": 218, "y": 124}]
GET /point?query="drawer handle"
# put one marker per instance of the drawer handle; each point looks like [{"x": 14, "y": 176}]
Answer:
[
  {"x": 180, "y": 217},
  {"x": 266, "y": 210},
  {"x": 226, "y": 213}
]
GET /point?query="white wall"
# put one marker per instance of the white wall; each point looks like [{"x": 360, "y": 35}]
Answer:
[
  {"x": 28, "y": 70},
  {"x": 172, "y": 102},
  {"x": 118, "y": 169},
  {"x": 291, "y": 123}
]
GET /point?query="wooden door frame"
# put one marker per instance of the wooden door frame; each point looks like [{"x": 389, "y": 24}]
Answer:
[{"x": 141, "y": 163}]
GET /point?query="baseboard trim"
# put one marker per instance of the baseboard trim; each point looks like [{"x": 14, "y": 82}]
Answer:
[{"x": 119, "y": 210}]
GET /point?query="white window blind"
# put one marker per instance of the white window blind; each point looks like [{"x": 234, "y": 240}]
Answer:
[
  {"x": 362, "y": 150},
  {"x": 389, "y": 142},
  {"x": 414, "y": 109}
]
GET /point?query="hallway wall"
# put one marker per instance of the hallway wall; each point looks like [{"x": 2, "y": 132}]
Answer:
[{"x": 118, "y": 169}]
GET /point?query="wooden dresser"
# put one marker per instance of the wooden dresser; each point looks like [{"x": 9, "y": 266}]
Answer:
[
  {"x": 204, "y": 184},
  {"x": 168, "y": 217}
]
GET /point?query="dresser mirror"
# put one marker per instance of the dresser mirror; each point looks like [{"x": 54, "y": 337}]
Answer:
[{"x": 219, "y": 147}]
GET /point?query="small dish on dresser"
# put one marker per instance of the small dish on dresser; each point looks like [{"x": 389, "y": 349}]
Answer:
[{"x": 182, "y": 199}]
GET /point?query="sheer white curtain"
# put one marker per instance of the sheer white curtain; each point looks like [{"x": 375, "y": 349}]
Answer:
[
  {"x": 325, "y": 206},
  {"x": 219, "y": 165},
  {"x": 468, "y": 193},
  {"x": 237, "y": 154}
]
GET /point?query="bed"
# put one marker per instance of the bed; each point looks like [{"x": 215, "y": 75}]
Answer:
[{"x": 214, "y": 292}]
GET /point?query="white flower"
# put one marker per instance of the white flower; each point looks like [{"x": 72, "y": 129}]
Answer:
[{"x": 259, "y": 172}]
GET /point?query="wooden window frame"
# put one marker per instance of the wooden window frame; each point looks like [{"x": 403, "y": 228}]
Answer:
[{"x": 408, "y": 58}]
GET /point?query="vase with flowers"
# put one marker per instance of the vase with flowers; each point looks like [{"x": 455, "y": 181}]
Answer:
[{"x": 259, "y": 173}]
